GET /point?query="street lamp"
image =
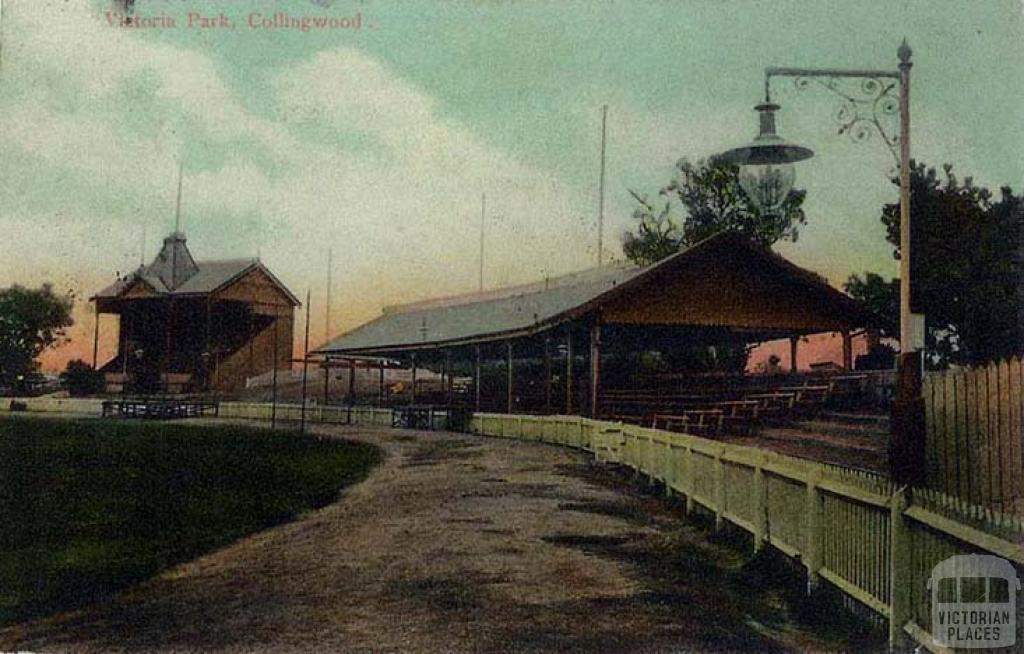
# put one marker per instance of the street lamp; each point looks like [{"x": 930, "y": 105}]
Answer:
[
  {"x": 766, "y": 163},
  {"x": 766, "y": 176}
]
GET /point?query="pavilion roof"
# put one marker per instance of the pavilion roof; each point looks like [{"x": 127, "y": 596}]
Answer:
[
  {"x": 525, "y": 310},
  {"x": 174, "y": 273}
]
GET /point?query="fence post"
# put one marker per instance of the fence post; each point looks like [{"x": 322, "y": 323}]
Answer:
[
  {"x": 815, "y": 533},
  {"x": 899, "y": 569},
  {"x": 688, "y": 482},
  {"x": 760, "y": 505},
  {"x": 719, "y": 489},
  {"x": 668, "y": 467}
]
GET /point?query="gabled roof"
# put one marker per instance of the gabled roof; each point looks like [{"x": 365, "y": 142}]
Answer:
[
  {"x": 174, "y": 272},
  {"x": 533, "y": 308}
]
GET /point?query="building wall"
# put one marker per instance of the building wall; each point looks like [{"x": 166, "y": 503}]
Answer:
[{"x": 269, "y": 306}]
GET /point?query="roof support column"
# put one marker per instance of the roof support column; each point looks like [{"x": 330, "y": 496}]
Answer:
[
  {"x": 595, "y": 366},
  {"x": 380, "y": 385},
  {"x": 511, "y": 379},
  {"x": 351, "y": 382},
  {"x": 793, "y": 340},
  {"x": 449, "y": 387},
  {"x": 847, "y": 351},
  {"x": 568, "y": 371},
  {"x": 96, "y": 337},
  {"x": 476, "y": 378},
  {"x": 547, "y": 374},
  {"x": 326, "y": 366},
  {"x": 412, "y": 395},
  {"x": 168, "y": 328},
  {"x": 206, "y": 358}
]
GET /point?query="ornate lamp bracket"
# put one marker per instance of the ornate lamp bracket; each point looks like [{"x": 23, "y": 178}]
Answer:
[{"x": 868, "y": 99}]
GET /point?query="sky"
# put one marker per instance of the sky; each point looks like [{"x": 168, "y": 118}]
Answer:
[{"x": 377, "y": 141}]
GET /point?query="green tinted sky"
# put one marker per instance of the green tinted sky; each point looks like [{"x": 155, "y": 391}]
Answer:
[{"x": 378, "y": 142}]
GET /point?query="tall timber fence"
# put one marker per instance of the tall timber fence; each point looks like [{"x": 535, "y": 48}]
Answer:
[
  {"x": 975, "y": 433},
  {"x": 856, "y": 531}
]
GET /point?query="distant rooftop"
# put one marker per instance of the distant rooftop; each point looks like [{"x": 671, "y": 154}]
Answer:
[{"x": 175, "y": 272}]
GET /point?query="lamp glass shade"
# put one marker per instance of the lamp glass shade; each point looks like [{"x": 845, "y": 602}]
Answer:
[
  {"x": 767, "y": 185},
  {"x": 766, "y": 163}
]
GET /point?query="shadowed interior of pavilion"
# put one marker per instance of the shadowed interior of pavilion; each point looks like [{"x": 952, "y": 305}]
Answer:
[{"x": 649, "y": 345}]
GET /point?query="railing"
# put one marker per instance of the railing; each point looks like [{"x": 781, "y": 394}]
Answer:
[
  {"x": 854, "y": 530},
  {"x": 329, "y": 414}
]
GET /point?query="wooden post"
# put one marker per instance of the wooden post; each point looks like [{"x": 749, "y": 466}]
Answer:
[
  {"x": 327, "y": 376},
  {"x": 547, "y": 375},
  {"x": 688, "y": 483},
  {"x": 207, "y": 357},
  {"x": 273, "y": 383},
  {"x": 447, "y": 377},
  {"x": 760, "y": 505},
  {"x": 351, "y": 382},
  {"x": 847, "y": 351},
  {"x": 167, "y": 346},
  {"x": 477, "y": 378},
  {"x": 305, "y": 365},
  {"x": 719, "y": 490},
  {"x": 595, "y": 366},
  {"x": 669, "y": 467},
  {"x": 511, "y": 378},
  {"x": 96, "y": 337},
  {"x": 412, "y": 396},
  {"x": 568, "y": 371},
  {"x": 813, "y": 508},
  {"x": 380, "y": 386},
  {"x": 793, "y": 341},
  {"x": 900, "y": 610}
]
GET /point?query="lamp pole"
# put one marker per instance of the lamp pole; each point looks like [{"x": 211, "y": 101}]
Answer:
[{"x": 862, "y": 114}]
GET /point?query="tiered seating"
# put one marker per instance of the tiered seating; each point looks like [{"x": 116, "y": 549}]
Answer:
[{"x": 735, "y": 405}]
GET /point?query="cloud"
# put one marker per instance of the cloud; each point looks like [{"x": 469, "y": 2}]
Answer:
[{"x": 349, "y": 156}]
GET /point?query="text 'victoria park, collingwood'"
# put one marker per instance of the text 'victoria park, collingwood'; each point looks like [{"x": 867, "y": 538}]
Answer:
[{"x": 278, "y": 20}]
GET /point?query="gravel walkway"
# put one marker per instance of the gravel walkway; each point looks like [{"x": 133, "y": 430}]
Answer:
[{"x": 454, "y": 544}]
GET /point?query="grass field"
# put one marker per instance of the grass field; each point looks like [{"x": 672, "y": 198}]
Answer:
[{"x": 90, "y": 506}]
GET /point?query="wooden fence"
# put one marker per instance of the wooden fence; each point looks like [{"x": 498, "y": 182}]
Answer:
[
  {"x": 853, "y": 530},
  {"x": 874, "y": 542},
  {"x": 975, "y": 434}
]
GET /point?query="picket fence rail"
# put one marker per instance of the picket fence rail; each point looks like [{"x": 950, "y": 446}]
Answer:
[
  {"x": 871, "y": 540},
  {"x": 874, "y": 542}
]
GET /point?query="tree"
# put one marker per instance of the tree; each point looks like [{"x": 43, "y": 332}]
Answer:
[
  {"x": 31, "y": 321},
  {"x": 709, "y": 197},
  {"x": 966, "y": 267},
  {"x": 81, "y": 379},
  {"x": 711, "y": 200}
]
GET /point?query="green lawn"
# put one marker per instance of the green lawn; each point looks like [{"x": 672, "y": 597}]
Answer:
[{"x": 90, "y": 506}]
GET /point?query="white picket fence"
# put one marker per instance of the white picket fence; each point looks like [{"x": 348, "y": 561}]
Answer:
[
  {"x": 856, "y": 531},
  {"x": 874, "y": 542}
]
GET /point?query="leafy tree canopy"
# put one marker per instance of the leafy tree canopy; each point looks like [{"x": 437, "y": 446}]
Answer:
[
  {"x": 704, "y": 199},
  {"x": 31, "y": 321},
  {"x": 966, "y": 267}
]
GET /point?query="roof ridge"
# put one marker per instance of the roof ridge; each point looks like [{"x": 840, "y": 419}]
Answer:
[{"x": 506, "y": 292}]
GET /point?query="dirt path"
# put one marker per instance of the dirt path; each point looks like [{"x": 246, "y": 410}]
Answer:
[{"x": 455, "y": 544}]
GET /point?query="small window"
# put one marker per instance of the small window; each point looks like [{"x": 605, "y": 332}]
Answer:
[
  {"x": 947, "y": 590},
  {"x": 972, "y": 589},
  {"x": 998, "y": 590}
]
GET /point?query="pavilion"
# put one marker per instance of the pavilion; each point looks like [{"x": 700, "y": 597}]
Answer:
[
  {"x": 555, "y": 343},
  {"x": 189, "y": 326}
]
